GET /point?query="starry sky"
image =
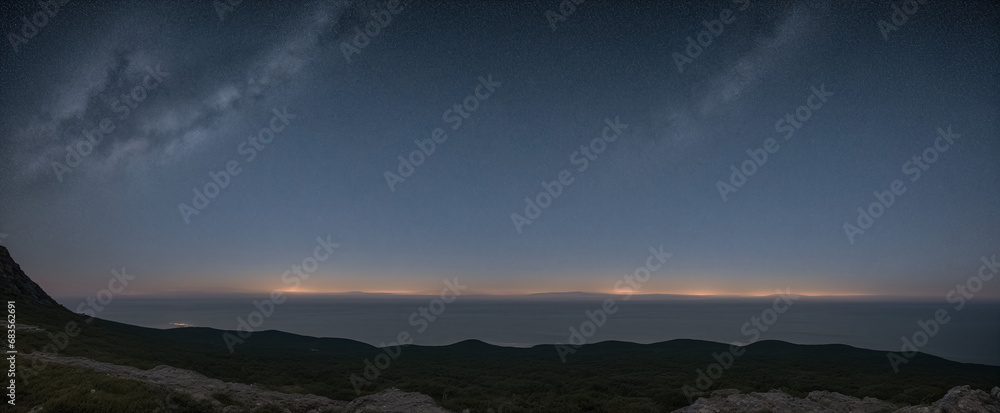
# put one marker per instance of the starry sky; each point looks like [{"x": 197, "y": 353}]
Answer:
[{"x": 183, "y": 90}]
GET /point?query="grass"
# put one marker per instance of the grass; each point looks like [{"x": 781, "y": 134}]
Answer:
[{"x": 70, "y": 389}]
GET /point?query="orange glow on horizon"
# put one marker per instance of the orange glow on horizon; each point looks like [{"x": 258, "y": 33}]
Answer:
[
  {"x": 509, "y": 293},
  {"x": 720, "y": 293},
  {"x": 316, "y": 291},
  {"x": 696, "y": 285}
]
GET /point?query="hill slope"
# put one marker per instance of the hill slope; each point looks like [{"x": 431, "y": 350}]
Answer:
[
  {"x": 608, "y": 376},
  {"x": 15, "y": 284}
]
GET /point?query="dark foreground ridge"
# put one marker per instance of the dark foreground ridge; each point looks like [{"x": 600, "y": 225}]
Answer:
[{"x": 113, "y": 367}]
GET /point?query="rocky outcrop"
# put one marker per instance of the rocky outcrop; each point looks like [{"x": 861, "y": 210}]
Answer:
[
  {"x": 958, "y": 400},
  {"x": 395, "y": 401},
  {"x": 730, "y": 400}
]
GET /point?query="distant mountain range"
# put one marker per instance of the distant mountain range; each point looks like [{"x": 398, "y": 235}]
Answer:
[{"x": 112, "y": 361}]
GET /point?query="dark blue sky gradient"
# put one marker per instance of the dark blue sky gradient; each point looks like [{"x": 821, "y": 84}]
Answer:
[{"x": 656, "y": 185}]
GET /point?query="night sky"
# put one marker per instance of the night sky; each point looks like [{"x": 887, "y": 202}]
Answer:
[{"x": 185, "y": 93}]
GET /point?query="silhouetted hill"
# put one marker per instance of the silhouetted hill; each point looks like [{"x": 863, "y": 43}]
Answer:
[
  {"x": 609, "y": 376},
  {"x": 16, "y": 286}
]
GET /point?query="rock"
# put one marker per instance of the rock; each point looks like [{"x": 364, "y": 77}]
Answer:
[
  {"x": 961, "y": 399},
  {"x": 837, "y": 402},
  {"x": 394, "y": 401}
]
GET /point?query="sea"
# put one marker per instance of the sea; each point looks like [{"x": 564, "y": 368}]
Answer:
[{"x": 970, "y": 334}]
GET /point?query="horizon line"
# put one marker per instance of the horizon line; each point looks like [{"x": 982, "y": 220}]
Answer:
[{"x": 516, "y": 295}]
